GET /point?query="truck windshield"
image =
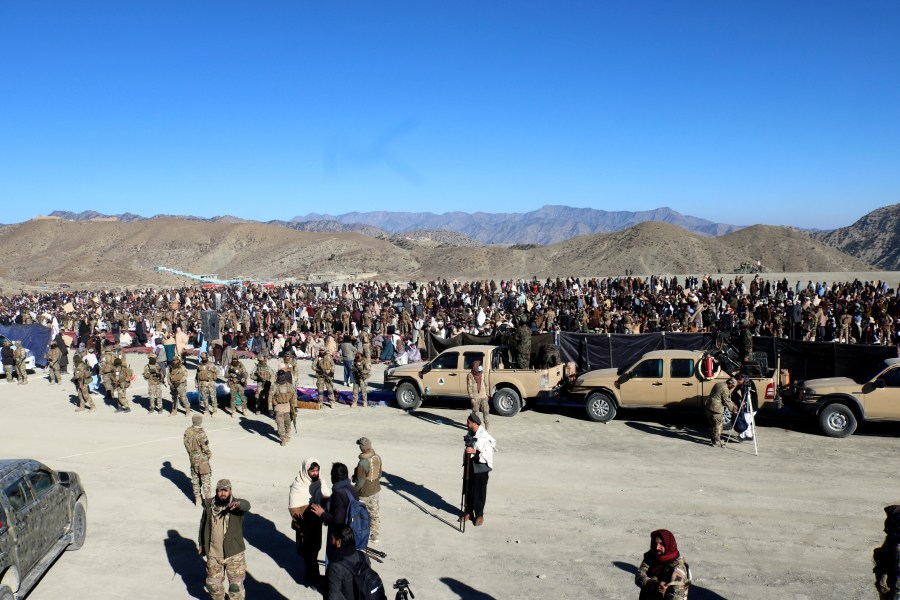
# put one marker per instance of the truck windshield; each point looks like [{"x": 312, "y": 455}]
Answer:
[{"x": 873, "y": 372}]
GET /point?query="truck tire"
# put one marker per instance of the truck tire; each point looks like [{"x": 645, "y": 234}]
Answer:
[
  {"x": 408, "y": 396},
  {"x": 79, "y": 527},
  {"x": 600, "y": 407},
  {"x": 837, "y": 420},
  {"x": 507, "y": 402}
]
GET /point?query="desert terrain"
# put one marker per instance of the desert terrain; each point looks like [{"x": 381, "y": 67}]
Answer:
[
  {"x": 49, "y": 253},
  {"x": 570, "y": 502}
]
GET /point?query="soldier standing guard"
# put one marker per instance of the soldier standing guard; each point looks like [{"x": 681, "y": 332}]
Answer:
[
  {"x": 153, "y": 375},
  {"x": 19, "y": 355},
  {"x": 120, "y": 379},
  {"x": 263, "y": 376},
  {"x": 178, "y": 386},
  {"x": 53, "y": 357},
  {"x": 106, "y": 368},
  {"x": 82, "y": 377},
  {"x": 367, "y": 478},
  {"x": 205, "y": 381},
  {"x": 197, "y": 446},
  {"x": 283, "y": 403},
  {"x": 237, "y": 377},
  {"x": 324, "y": 369},
  {"x": 361, "y": 375}
]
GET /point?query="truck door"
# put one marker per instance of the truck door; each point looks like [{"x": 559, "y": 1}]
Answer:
[
  {"x": 684, "y": 389},
  {"x": 50, "y": 496},
  {"x": 882, "y": 396},
  {"x": 27, "y": 523},
  {"x": 442, "y": 379},
  {"x": 645, "y": 387}
]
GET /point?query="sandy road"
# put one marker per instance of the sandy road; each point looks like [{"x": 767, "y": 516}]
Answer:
[{"x": 570, "y": 500}]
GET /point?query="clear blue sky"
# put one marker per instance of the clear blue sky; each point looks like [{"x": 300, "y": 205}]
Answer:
[{"x": 739, "y": 112}]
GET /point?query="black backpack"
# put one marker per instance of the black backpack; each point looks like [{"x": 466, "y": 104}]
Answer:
[{"x": 367, "y": 583}]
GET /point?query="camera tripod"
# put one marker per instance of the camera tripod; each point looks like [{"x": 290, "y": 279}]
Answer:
[{"x": 403, "y": 591}]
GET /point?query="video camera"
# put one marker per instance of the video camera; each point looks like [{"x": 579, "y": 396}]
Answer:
[
  {"x": 403, "y": 591},
  {"x": 469, "y": 440}
]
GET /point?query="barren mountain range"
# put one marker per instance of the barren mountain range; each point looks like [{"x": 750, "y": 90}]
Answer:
[{"x": 97, "y": 253}]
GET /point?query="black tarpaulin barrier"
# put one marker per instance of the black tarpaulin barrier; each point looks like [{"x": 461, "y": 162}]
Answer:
[
  {"x": 814, "y": 360},
  {"x": 34, "y": 337},
  {"x": 435, "y": 344},
  {"x": 591, "y": 351}
]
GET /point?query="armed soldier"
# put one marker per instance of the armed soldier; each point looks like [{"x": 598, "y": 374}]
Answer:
[
  {"x": 361, "y": 373},
  {"x": 178, "y": 386},
  {"x": 197, "y": 446},
  {"x": 81, "y": 377},
  {"x": 523, "y": 345},
  {"x": 120, "y": 379},
  {"x": 263, "y": 376},
  {"x": 53, "y": 356},
  {"x": 205, "y": 380},
  {"x": 365, "y": 340},
  {"x": 19, "y": 355},
  {"x": 237, "y": 378},
  {"x": 154, "y": 377},
  {"x": 324, "y": 370},
  {"x": 106, "y": 368},
  {"x": 715, "y": 407},
  {"x": 283, "y": 404}
]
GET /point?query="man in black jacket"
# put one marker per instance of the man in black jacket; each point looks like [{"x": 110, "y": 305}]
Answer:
[
  {"x": 336, "y": 515},
  {"x": 342, "y": 565},
  {"x": 221, "y": 541}
]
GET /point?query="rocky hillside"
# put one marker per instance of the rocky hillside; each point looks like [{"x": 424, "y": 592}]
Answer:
[
  {"x": 875, "y": 238},
  {"x": 547, "y": 225},
  {"x": 93, "y": 254}
]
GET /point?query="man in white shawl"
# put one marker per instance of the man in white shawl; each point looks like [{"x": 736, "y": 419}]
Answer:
[{"x": 308, "y": 488}]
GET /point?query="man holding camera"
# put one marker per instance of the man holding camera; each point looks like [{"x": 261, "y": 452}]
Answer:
[
  {"x": 479, "y": 457},
  {"x": 222, "y": 542},
  {"x": 715, "y": 406}
]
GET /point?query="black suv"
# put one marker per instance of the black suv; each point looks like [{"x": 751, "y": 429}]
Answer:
[{"x": 42, "y": 513}]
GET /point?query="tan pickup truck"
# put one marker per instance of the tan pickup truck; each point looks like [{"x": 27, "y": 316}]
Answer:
[
  {"x": 840, "y": 402},
  {"x": 445, "y": 376},
  {"x": 662, "y": 378}
]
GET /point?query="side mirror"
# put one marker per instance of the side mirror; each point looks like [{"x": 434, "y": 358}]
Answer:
[
  {"x": 426, "y": 369},
  {"x": 879, "y": 383},
  {"x": 64, "y": 478}
]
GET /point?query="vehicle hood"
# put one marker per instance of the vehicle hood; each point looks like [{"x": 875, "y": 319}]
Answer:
[
  {"x": 828, "y": 384},
  {"x": 412, "y": 369},
  {"x": 591, "y": 377}
]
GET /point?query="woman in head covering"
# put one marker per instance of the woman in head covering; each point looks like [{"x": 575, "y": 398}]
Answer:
[
  {"x": 308, "y": 488},
  {"x": 663, "y": 573}
]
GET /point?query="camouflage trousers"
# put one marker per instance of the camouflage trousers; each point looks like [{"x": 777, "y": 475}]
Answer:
[
  {"x": 716, "y": 421},
  {"x": 371, "y": 503},
  {"x": 358, "y": 390},
  {"x": 206, "y": 393},
  {"x": 237, "y": 391},
  {"x": 323, "y": 383},
  {"x": 154, "y": 390},
  {"x": 283, "y": 424},
  {"x": 235, "y": 568},
  {"x": 179, "y": 396},
  {"x": 8, "y": 369},
  {"x": 54, "y": 374},
  {"x": 106, "y": 380},
  {"x": 119, "y": 393},
  {"x": 84, "y": 396},
  {"x": 201, "y": 482},
  {"x": 481, "y": 405},
  {"x": 21, "y": 373}
]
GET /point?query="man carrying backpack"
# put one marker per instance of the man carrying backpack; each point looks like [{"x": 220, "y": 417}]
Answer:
[
  {"x": 343, "y": 493},
  {"x": 349, "y": 574}
]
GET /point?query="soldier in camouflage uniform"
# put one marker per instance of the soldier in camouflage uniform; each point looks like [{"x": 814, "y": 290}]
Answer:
[
  {"x": 523, "y": 345},
  {"x": 120, "y": 379},
  {"x": 81, "y": 377},
  {"x": 367, "y": 478},
  {"x": 197, "y": 446},
  {"x": 263, "y": 376},
  {"x": 715, "y": 407},
  {"x": 365, "y": 340},
  {"x": 222, "y": 542},
  {"x": 153, "y": 375},
  {"x": 205, "y": 380},
  {"x": 292, "y": 364},
  {"x": 324, "y": 370},
  {"x": 106, "y": 368},
  {"x": 53, "y": 357},
  {"x": 178, "y": 386},
  {"x": 361, "y": 373},
  {"x": 20, "y": 355},
  {"x": 844, "y": 331},
  {"x": 283, "y": 403},
  {"x": 237, "y": 378}
]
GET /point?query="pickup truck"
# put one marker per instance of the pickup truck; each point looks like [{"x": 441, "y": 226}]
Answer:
[
  {"x": 662, "y": 378},
  {"x": 840, "y": 402},
  {"x": 445, "y": 376}
]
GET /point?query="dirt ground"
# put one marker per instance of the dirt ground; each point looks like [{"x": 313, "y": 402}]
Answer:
[{"x": 570, "y": 502}]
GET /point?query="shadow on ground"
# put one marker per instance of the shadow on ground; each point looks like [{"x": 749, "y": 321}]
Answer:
[
  {"x": 181, "y": 481},
  {"x": 261, "y": 533},
  {"x": 436, "y": 419},
  {"x": 464, "y": 591},
  {"x": 421, "y": 497}
]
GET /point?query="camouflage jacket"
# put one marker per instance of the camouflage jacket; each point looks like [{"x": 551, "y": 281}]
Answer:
[
  {"x": 263, "y": 373},
  {"x": 177, "y": 375},
  {"x": 236, "y": 375},
  {"x": 197, "y": 446},
  {"x": 153, "y": 374},
  {"x": 206, "y": 372}
]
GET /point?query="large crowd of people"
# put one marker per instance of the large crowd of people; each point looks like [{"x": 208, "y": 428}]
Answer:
[{"x": 267, "y": 319}]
